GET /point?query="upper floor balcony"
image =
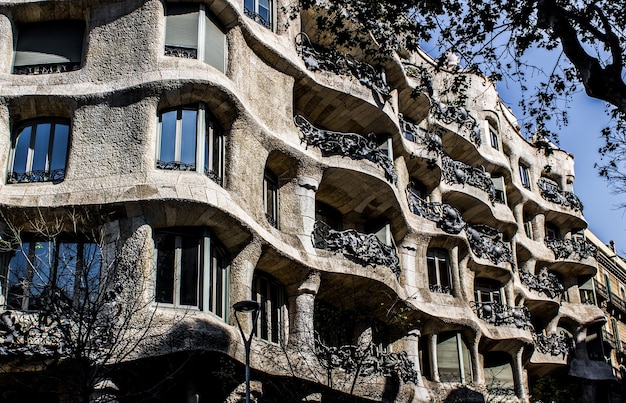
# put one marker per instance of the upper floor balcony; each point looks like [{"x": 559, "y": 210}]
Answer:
[
  {"x": 487, "y": 242},
  {"x": 457, "y": 172},
  {"x": 544, "y": 283},
  {"x": 551, "y": 193},
  {"x": 452, "y": 114},
  {"x": 447, "y": 217},
  {"x": 498, "y": 314},
  {"x": 556, "y": 345},
  {"x": 570, "y": 248}
]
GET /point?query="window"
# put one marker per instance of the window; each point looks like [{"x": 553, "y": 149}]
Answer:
[
  {"x": 487, "y": 291},
  {"x": 493, "y": 136},
  {"x": 500, "y": 189},
  {"x": 552, "y": 231},
  {"x": 39, "y": 270},
  {"x": 524, "y": 174},
  {"x": 191, "y": 270},
  {"x": 271, "y": 295},
  {"x": 185, "y": 130},
  {"x": 499, "y": 372},
  {"x": 260, "y": 11},
  {"x": 190, "y": 33},
  {"x": 49, "y": 47},
  {"x": 270, "y": 197},
  {"x": 549, "y": 185},
  {"x": 328, "y": 215},
  {"x": 585, "y": 288},
  {"x": 453, "y": 358},
  {"x": 40, "y": 151},
  {"x": 528, "y": 227},
  {"x": 438, "y": 271}
]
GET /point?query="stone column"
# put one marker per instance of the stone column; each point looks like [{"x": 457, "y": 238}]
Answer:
[
  {"x": 539, "y": 228},
  {"x": 477, "y": 362},
  {"x": 411, "y": 342},
  {"x": 302, "y": 306},
  {"x": 518, "y": 213},
  {"x": 432, "y": 350},
  {"x": 519, "y": 375},
  {"x": 241, "y": 272},
  {"x": 305, "y": 191},
  {"x": 454, "y": 271},
  {"x": 408, "y": 253}
]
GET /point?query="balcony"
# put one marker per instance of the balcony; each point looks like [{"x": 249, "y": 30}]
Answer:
[
  {"x": 554, "y": 344},
  {"x": 350, "y": 145},
  {"x": 256, "y": 17},
  {"x": 456, "y": 172},
  {"x": 417, "y": 135},
  {"x": 497, "y": 314},
  {"x": 365, "y": 249},
  {"x": 552, "y": 194},
  {"x": 545, "y": 283},
  {"x": 487, "y": 242},
  {"x": 447, "y": 217},
  {"x": 567, "y": 248},
  {"x": 343, "y": 64},
  {"x": 457, "y": 114}
]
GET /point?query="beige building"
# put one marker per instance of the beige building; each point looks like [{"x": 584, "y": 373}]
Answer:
[{"x": 402, "y": 247}]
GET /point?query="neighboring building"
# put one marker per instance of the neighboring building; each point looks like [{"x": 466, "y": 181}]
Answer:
[{"x": 402, "y": 248}]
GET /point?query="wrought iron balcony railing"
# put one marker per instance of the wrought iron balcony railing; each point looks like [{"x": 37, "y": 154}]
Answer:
[
  {"x": 342, "y": 64},
  {"x": 457, "y": 114},
  {"x": 47, "y": 68},
  {"x": 350, "y": 145},
  {"x": 447, "y": 217},
  {"x": 487, "y": 242},
  {"x": 366, "y": 360},
  {"x": 257, "y": 18},
  {"x": 564, "y": 198},
  {"x": 440, "y": 289},
  {"x": 457, "y": 172},
  {"x": 365, "y": 249},
  {"x": 180, "y": 51},
  {"x": 502, "y": 315},
  {"x": 414, "y": 133},
  {"x": 55, "y": 175},
  {"x": 567, "y": 248},
  {"x": 544, "y": 283},
  {"x": 422, "y": 75},
  {"x": 554, "y": 344}
]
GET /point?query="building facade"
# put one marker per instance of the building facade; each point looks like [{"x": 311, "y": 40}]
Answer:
[{"x": 403, "y": 247}]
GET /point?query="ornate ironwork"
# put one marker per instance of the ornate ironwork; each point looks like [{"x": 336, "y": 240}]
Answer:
[
  {"x": 457, "y": 172},
  {"x": 180, "y": 51},
  {"x": 257, "y": 18},
  {"x": 342, "y": 64},
  {"x": 502, "y": 315},
  {"x": 47, "y": 68},
  {"x": 214, "y": 176},
  {"x": 554, "y": 195},
  {"x": 566, "y": 248},
  {"x": 447, "y": 217},
  {"x": 440, "y": 289},
  {"x": 422, "y": 74},
  {"x": 176, "y": 165},
  {"x": 457, "y": 114},
  {"x": 366, "y": 360},
  {"x": 486, "y": 241},
  {"x": 350, "y": 145},
  {"x": 55, "y": 175},
  {"x": 554, "y": 344},
  {"x": 414, "y": 133},
  {"x": 546, "y": 283},
  {"x": 366, "y": 249}
]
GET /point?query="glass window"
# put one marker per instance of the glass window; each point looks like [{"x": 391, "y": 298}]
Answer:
[
  {"x": 552, "y": 231},
  {"x": 270, "y": 197},
  {"x": 493, "y": 136},
  {"x": 487, "y": 291},
  {"x": 40, "y": 151},
  {"x": 191, "y": 33},
  {"x": 271, "y": 295},
  {"x": 528, "y": 227},
  {"x": 260, "y": 11},
  {"x": 39, "y": 270},
  {"x": 49, "y": 47},
  {"x": 185, "y": 130},
  {"x": 524, "y": 174},
  {"x": 500, "y": 189},
  {"x": 453, "y": 358},
  {"x": 191, "y": 271},
  {"x": 438, "y": 271}
]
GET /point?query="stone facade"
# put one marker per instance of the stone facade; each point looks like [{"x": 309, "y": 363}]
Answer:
[{"x": 403, "y": 248}]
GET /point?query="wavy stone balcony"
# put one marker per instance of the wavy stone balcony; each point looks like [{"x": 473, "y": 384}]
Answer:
[
  {"x": 487, "y": 242},
  {"x": 350, "y": 145},
  {"x": 568, "y": 248},
  {"x": 502, "y": 315},
  {"x": 457, "y": 172},
  {"x": 554, "y": 344},
  {"x": 450, "y": 114},
  {"x": 365, "y": 249},
  {"x": 342, "y": 64},
  {"x": 366, "y": 360},
  {"x": 447, "y": 217},
  {"x": 545, "y": 283},
  {"x": 563, "y": 198}
]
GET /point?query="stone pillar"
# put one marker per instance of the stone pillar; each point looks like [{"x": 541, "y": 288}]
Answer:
[
  {"x": 539, "y": 228},
  {"x": 241, "y": 272},
  {"x": 518, "y": 213},
  {"x": 477, "y": 362},
  {"x": 432, "y": 350},
  {"x": 411, "y": 343},
  {"x": 302, "y": 334},
  {"x": 519, "y": 375},
  {"x": 408, "y": 252},
  {"x": 305, "y": 191},
  {"x": 454, "y": 271},
  {"x": 509, "y": 293}
]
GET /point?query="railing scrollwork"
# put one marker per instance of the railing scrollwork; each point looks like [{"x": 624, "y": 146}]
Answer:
[
  {"x": 502, "y": 315},
  {"x": 447, "y": 217},
  {"x": 554, "y": 195},
  {"x": 55, "y": 175},
  {"x": 545, "y": 282},
  {"x": 554, "y": 344},
  {"x": 457, "y": 172},
  {"x": 486, "y": 241},
  {"x": 46, "y": 68},
  {"x": 256, "y": 17},
  {"x": 567, "y": 248},
  {"x": 414, "y": 133},
  {"x": 182, "y": 52},
  {"x": 457, "y": 114}
]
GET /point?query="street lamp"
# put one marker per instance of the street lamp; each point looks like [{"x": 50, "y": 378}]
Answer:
[{"x": 254, "y": 308}]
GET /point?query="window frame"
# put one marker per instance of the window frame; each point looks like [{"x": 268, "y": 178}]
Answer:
[
  {"x": 436, "y": 256},
  {"x": 209, "y": 135},
  {"x": 270, "y": 186},
  {"x": 524, "y": 173},
  {"x": 46, "y": 175},
  {"x": 271, "y": 325},
  {"x": 257, "y": 17},
  {"x": 487, "y": 287},
  {"x": 494, "y": 138},
  {"x": 212, "y": 275}
]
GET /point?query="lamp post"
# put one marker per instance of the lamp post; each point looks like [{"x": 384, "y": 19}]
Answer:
[{"x": 254, "y": 308}]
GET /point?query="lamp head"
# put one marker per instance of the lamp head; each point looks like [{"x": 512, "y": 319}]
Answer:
[{"x": 247, "y": 306}]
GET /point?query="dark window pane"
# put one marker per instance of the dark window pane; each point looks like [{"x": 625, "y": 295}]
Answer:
[
  {"x": 49, "y": 42},
  {"x": 165, "y": 268},
  {"x": 42, "y": 141},
  {"x": 59, "y": 148},
  {"x": 68, "y": 274},
  {"x": 20, "y": 271},
  {"x": 20, "y": 156},
  {"x": 188, "y": 136},
  {"x": 42, "y": 262},
  {"x": 189, "y": 271}
]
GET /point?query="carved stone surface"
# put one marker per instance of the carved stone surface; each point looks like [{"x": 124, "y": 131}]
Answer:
[
  {"x": 26, "y": 335},
  {"x": 487, "y": 242},
  {"x": 342, "y": 64},
  {"x": 554, "y": 344},
  {"x": 456, "y": 114},
  {"x": 56, "y": 175},
  {"x": 47, "y": 68},
  {"x": 564, "y": 198},
  {"x": 350, "y": 145},
  {"x": 503, "y": 315},
  {"x": 457, "y": 172},
  {"x": 257, "y": 18},
  {"x": 178, "y": 51},
  {"x": 366, "y": 249},
  {"x": 413, "y": 133},
  {"x": 366, "y": 360},
  {"x": 545, "y": 283},
  {"x": 447, "y": 217},
  {"x": 568, "y": 248}
]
